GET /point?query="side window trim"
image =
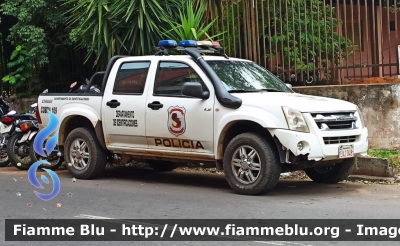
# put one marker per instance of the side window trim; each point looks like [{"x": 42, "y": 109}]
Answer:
[
  {"x": 145, "y": 80},
  {"x": 173, "y": 95}
]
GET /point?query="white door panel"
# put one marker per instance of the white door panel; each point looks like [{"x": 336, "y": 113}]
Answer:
[
  {"x": 124, "y": 105},
  {"x": 176, "y": 122}
]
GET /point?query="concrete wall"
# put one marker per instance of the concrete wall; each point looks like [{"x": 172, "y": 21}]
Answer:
[{"x": 379, "y": 104}]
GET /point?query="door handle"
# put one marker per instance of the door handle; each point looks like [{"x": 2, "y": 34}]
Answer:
[
  {"x": 113, "y": 103},
  {"x": 156, "y": 105}
]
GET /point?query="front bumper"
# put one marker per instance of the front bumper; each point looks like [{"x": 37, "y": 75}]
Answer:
[{"x": 314, "y": 145}]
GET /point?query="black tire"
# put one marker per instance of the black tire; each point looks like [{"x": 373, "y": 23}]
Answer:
[
  {"x": 22, "y": 162},
  {"x": 331, "y": 174},
  {"x": 54, "y": 160},
  {"x": 162, "y": 166},
  {"x": 4, "y": 160},
  {"x": 93, "y": 152},
  {"x": 269, "y": 165}
]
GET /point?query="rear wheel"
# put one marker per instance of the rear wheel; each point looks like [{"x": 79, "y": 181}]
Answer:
[
  {"x": 331, "y": 174},
  {"x": 162, "y": 166},
  {"x": 250, "y": 165},
  {"x": 85, "y": 154},
  {"x": 55, "y": 159},
  {"x": 19, "y": 153}
]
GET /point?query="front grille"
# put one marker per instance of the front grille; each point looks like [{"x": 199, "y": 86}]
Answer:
[
  {"x": 340, "y": 140},
  {"x": 335, "y": 121}
]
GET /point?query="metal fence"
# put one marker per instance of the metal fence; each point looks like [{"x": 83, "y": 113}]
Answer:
[{"x": 309, "y": 42}]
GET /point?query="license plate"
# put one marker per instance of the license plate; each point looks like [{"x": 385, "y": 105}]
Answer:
[
  {"x": 4, "y": 128},
  {"x": 346, "y": 151}
]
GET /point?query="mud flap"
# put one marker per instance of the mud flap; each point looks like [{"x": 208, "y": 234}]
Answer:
[
  {"x": 24, "y": 137},
  {"x": 32, "y": 135}
]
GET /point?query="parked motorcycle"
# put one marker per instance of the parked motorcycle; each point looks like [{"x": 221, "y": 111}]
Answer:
[
  {"x": 33, "y": 108},
  {"x": 20, "y": 147},
  {"x": 18, "y": 143},
  {"x": 294, "y": 75},
  {"x": 6, "y": 129}
]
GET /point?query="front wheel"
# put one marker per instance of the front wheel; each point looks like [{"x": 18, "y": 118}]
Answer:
[
  {"x": 251, "y": 166},
  {"x": 331, "y": 174},
  {"x": 85, "y": 154},
  {"x": 19, "y": 153}
]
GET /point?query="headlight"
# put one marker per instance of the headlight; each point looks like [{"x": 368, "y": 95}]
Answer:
[
  {"x": 358, "y": 114},
  {"x": 295, "y": 120}
]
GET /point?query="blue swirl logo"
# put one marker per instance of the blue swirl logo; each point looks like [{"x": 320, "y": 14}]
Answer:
[{"x": 49, "y": 146}]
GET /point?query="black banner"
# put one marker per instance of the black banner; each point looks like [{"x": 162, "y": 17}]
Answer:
[{"x": 201, "y": 230}]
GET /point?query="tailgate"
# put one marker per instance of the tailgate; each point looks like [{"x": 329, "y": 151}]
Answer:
[{"x": 66, "y": 105}]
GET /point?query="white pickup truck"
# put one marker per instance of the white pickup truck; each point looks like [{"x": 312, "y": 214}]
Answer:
[{"x": 204, "y": 107}]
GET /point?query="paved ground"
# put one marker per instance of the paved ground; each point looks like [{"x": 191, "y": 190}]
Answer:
[{"x": 144, "y": 194}]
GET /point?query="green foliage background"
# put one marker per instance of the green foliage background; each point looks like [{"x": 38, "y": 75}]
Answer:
[{"x": 101, "y": 29}]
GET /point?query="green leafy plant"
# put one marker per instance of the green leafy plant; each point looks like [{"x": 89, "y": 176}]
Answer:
[
  {"x": 191, "y": 25},
  {"x": 39, "y": 28},
  {"x": 23, "y": 70},
  {"x": 301, "y": 29}
]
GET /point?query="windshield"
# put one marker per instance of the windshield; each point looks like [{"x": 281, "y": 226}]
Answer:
[{"x": 242, "y": 76}]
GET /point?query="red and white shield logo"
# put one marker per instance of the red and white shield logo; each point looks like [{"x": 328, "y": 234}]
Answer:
[{"x": 176, "y": 120}]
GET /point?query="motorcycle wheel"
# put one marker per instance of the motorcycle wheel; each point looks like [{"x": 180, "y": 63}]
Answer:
[
  {"x": 18, "y": 153},
  {"x": 4, "y": 160},
  {"x": 54, "y": 159},
  {"x": 310, "y": 79}
]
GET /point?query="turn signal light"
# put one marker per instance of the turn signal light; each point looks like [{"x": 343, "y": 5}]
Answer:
[{"x": 24, "y": 127}]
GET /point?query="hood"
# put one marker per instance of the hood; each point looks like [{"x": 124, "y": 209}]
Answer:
[{"x": 301, "y": 102}]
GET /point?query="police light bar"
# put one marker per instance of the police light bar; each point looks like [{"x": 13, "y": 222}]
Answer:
[
  {"x": 188, "y": 43},
  {"x": 204, "y": 43},
  {"x": 215, "y": 44},
  {"x": 193, "y": 43},
  {"x": 167, "y": 43}
]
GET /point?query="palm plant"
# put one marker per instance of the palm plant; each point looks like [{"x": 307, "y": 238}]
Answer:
[
  {"x": 190, "y": 24},
  {"x": 109, "y": 27}
]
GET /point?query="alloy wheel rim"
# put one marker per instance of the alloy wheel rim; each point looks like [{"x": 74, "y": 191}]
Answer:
[
  {"x": 79, "y": 154},
  {"x": 246, "y": 164}
]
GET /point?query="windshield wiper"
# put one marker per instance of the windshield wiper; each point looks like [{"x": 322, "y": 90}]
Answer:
[
  {"x": 270, "y": 90},
  {"x": 258, "y": 90},
  {"x": 239, "y": 90}
]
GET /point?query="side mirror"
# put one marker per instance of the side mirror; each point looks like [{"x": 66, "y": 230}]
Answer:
[
  {"x": 289, "y": 85},
  {"x": 194, "y": 89}
]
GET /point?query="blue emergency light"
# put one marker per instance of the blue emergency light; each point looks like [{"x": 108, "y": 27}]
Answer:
[
  {"x": 167, "y": 43},
  {"x": 188, "y": 43}
]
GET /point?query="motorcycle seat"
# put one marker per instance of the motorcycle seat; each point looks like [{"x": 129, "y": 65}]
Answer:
[{"x": 22, "y": 117}]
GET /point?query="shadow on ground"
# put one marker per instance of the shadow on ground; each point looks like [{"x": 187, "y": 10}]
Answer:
[{"x": 214, "y": 181}]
